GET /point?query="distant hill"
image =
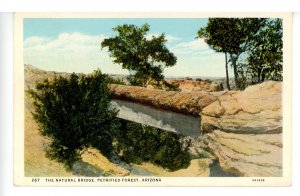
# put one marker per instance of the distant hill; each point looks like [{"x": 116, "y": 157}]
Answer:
[{"x": 33, "y": 75}]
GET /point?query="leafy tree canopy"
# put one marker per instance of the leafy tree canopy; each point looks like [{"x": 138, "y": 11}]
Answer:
[
  {"x": 260, "y": 39},
  {"x": 231, "y": 35},
  {"x": 265, "y": 56},
  {"x": 144, "y": 57}
]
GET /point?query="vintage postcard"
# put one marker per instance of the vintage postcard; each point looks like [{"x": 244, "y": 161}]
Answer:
[{"x": 152, "y": 99}]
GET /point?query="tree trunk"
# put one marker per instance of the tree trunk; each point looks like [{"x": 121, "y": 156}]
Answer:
[
  {"x": 233, "y": 61},
  {"x": 263, "y": 76},
  {"x": 226, "y": 67},
  {"x": 258, "y": 75}
]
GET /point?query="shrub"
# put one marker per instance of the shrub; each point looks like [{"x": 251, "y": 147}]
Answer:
[
  {"x": 75, "y": 113},
  {"x": 112, "y": 80},
  {"x": 138, "y": 143}
]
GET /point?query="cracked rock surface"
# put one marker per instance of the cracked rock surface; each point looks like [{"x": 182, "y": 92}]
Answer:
[
  {"x": 244, "y": 130},
  {"x": 247, "y": 154}
]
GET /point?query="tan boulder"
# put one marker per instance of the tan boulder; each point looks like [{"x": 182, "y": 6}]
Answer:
[
  {"x": 247, "y": 154},
  {"x": 261, "y": 97},
  {"x": 255, "y": 110}
]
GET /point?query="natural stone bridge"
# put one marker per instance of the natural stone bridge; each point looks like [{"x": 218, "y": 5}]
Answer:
[
  {"x": 168, "y": 110},
  {"x": 187, "y": 113}
]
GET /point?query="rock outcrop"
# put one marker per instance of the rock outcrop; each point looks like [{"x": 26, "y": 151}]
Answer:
[
  {"x": 183, "y": 102},
  {"x": 247, "y": 154},
  {"x": 243, "y": 130}
]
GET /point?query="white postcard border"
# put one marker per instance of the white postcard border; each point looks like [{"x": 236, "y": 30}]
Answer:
[{"x": 21, "y": 180}]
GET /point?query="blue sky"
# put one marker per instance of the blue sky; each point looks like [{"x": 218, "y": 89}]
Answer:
[
  {"x": 73, "y": 45},
  {"x": 185, "y": 28}
]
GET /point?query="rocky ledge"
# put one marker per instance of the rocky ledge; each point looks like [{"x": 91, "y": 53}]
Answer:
[
  {"x": 247, "y": 154},
  {"x": 243, "y": 130}
]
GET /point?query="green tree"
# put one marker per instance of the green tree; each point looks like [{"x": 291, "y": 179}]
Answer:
[
  {"x": 75, "y": 113},
  {"x": 231, "y": 36},
  {"x": 265, "y": 56},
  {"x": 144, "y": 58}
]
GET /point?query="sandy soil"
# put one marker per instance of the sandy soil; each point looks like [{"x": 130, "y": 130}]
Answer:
[
  {"x": 36, "y": 162},
  {"x": 198, "y": 168}
]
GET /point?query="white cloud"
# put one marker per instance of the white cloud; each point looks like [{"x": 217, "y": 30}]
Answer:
[
  {"x": 196, "y": 58},
  {"x": 194, "y": 46},
  {"x": 77, "y": 52},
  {"x": 34, "y": 41},
  {"x": 69, "y": 52}
]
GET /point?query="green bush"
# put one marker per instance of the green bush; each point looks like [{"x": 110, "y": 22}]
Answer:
[
  {"x": 138, "y": 143},
  {"x": 75, "y": 113}
]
